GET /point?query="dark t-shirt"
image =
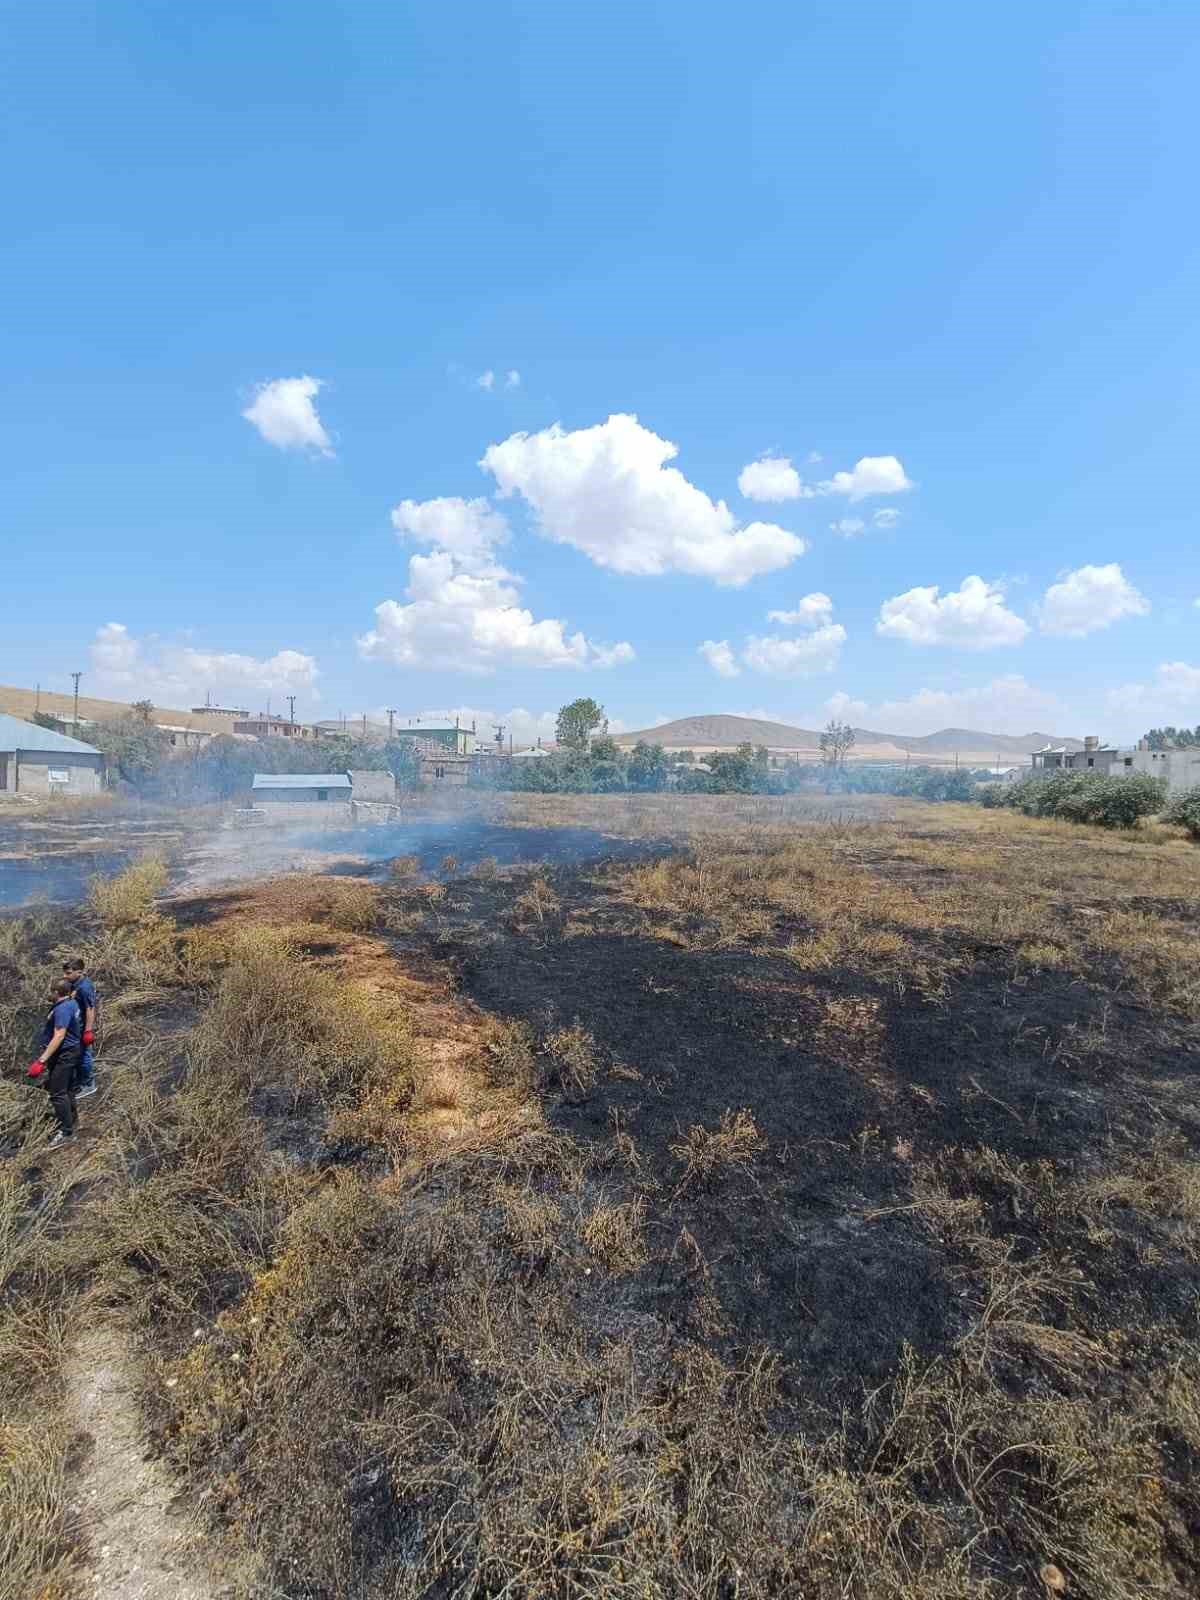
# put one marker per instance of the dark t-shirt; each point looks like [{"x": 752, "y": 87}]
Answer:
[
  {"x": 85, "y": 996},
  {"x": 63, "y": 1014}
]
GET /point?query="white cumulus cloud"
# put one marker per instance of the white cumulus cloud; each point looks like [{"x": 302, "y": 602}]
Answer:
[
  {"x": 466, "y": 616},
  {"x": 770, "y": 478},
  {"x": 817, "y": 649},
  {"x": 972, "y": 617},
  {"x": 870, "y": 475},
  {"x": 470, "y": 529},
  {"x": 178, "y": 675},
  {"x": 720, "y": 657},
  {"x": 486, "y": 380},
  {"x": 284, "y": 413},
  {"x": 801, "y": 657},
  {"x": 607, "y": 491},
  {"x": 1088, "y": 599},
  {"x": 848, "y": 527},
  {"x": 811, "y": 612},
  {"x": 774, "y": 478},
  {"x": 512, "y": 379},
  {"x": 886, "y": 517}
]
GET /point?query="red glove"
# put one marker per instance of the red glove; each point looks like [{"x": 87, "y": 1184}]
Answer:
[
  {"x": 89, "y": 1038},
  {"x": 35, "y": 1069}
]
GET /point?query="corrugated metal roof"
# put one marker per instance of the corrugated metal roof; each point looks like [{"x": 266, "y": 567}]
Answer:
[
  {"x": 301, "y": 780},
  {"x": 18, "y": 735}
]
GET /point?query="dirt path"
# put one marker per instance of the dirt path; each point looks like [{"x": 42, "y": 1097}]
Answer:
[{"x": 139, "y": 1547}]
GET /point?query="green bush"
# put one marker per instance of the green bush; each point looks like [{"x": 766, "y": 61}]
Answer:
[
  {"x": 1184, "y": 812},
  {"x": 1088, "y": 797}
]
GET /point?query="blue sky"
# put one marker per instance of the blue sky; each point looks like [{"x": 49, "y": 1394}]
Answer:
[{"x": 933, "y": 262}]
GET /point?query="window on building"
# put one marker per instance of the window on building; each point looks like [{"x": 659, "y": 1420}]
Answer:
[
  {"x": 439, "y": 772},
  {"x": 322, "y": 794},
  {"x": 1091, "y": 762},
  {"x": 1128, "y": 761}
]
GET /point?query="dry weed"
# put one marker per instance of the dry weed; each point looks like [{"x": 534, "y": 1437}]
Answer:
[{"x": 707, "y": 1154}]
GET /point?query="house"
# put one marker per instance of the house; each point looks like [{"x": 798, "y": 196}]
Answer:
[
  {"x": 35, "y": 761},
  {"x": 440, "y": 766},
  {"x": 457, "y": 741},
  {"x": 1179, "y": 768},
  {"x": 267, "y": 727}
]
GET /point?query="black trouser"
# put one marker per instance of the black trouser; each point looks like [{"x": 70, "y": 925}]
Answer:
[{"x": 60, "y": 1086}]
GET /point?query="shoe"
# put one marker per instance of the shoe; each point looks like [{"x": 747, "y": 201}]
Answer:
[
  {"x": 60, "y": 1139},
  {"x": 82, "y": 1094}
]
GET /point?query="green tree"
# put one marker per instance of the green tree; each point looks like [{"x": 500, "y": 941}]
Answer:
[
  {"x": 143, "y": 710},
  {"x": 577, "y": 722},
  {"x": 836, "y": 743},
  {"x": 647, "y": 767},
  {"x": 136, "y": 749},
  {"x": 47, "y": 720}
]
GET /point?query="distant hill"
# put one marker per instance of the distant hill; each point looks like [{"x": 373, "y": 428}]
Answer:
[
  {"x": 24, "y": 702},
  {"x": 718, "y": 731}
]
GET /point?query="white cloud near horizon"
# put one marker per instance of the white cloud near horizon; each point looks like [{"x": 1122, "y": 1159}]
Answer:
[
  {"x": 608, "y": 492},
  {"x": 971, "y": 617},
  {"x": 463, "y": 608},
  {"x": 1089, "y": 599},
  {"x": 773, "y": 478},
  {"x": 179, "y": 676},
  {"x": 1173, "y": 696},
  {"x": 284, "y": 412},
  {"x": 1007, "y": 705}
]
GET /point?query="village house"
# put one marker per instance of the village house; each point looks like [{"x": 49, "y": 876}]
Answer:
[
  {"x": 36, "y": 761},
  {"x": 1179, "y": 769}
]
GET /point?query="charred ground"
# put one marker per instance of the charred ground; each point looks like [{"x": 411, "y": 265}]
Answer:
[{"x": 760, "y": 1205}]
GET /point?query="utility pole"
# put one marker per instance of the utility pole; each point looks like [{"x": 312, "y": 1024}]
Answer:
[
  {"x": 76, "y": 676},
  {"x": 291, "y": 700},
  {"x": 364, "y": 724},
  {"x": 391, "y": 711},
  {"x": 499, "y": 732},
  {"x": 37, "y": 700}
]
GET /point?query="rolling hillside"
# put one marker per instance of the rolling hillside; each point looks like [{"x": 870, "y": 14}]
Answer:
[
  {"x": 23, "y": 703},
  {"x": 719, "y": 732}
]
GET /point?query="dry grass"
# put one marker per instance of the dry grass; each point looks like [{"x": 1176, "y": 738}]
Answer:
[
  {"x": 513, "y": 1365},
  {"x": 707, "y": 1154}
]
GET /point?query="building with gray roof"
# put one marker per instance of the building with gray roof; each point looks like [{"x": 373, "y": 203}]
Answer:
[{"x": 35, "y": 761}]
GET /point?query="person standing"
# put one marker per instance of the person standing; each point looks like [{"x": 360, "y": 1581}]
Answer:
[
  {"x": 84, "y": 991},
  {"x": 55, "y": 1067}
]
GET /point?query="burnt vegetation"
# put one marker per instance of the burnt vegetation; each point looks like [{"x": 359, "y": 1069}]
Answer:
[{"x": 795, "y": 1206}]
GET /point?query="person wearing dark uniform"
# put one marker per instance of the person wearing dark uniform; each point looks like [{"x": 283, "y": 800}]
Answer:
[
  {"x": 84, "y": 991},
  {"x": 62, "y": 1040}
]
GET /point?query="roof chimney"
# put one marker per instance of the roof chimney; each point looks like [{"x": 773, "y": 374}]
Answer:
[{"x": 1092, "y": 742}]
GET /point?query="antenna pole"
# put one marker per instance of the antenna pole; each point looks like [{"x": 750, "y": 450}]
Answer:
[{"x": 76, "y": 676}]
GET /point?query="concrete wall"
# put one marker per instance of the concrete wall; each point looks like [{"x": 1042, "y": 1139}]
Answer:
[
  {"x": 28, "y": 772},
  {"x": 305, "y": 813},
  {"x": 373, "y": 785},
  {"x": 300, "y": 796}
]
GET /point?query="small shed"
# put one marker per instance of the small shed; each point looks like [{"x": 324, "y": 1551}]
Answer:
[
  {"x": 35, "y": 761},
  {"x": 302, "y": 788}
]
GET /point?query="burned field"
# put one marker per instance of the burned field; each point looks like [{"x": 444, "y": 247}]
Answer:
[{"x": 791, "y": 1209}]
